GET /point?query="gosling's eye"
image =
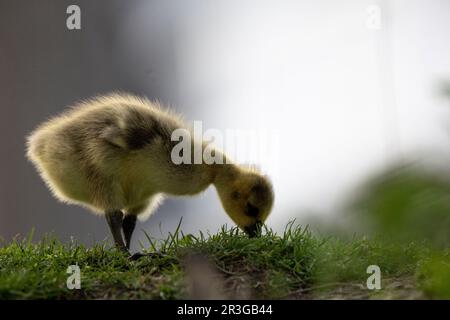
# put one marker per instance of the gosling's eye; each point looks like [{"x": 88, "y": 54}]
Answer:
[{"x": 235, "y": 195}]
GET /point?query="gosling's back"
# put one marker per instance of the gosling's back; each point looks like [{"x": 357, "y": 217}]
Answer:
[{"x": 81, "y": 153}]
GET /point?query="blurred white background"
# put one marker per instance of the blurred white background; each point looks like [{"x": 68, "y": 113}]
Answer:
[{"x": 345, "y": 98}]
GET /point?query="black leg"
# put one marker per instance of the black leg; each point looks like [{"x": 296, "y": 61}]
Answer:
[
  {"x": 114, "y": 219},
  {"x": 128, "y": 224}
]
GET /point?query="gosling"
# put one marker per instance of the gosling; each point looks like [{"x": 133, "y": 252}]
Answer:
[{"x": 112, "y": 155}]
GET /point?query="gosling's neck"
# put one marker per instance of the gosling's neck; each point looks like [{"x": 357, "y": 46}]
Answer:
[{"x": 222, "y": 174}]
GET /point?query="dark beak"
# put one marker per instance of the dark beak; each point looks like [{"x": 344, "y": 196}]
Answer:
[{"x": 253, "y": 230}]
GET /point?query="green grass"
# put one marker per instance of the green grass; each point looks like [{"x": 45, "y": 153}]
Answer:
[{"x": 294, "y": 264}]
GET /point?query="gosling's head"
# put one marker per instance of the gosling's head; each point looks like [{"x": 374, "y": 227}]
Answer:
[{"x": 246, "y": 195}]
